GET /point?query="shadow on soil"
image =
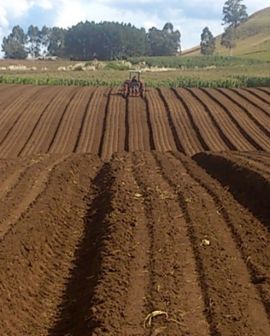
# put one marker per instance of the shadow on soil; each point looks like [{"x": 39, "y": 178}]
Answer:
[
  {"x": 248, "y": 187},
  {"x": 75, "y": 310}
]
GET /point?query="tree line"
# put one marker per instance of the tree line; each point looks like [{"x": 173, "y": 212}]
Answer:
[
  {"x": 112, "y": 40},
  {"x": 89, "y": 40}
]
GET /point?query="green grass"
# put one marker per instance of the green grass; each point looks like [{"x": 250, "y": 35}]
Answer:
[
  {"x": 253, "y": 38},
  {"x": 194, "y": 62},
  {"x": 201, "y": 71}
]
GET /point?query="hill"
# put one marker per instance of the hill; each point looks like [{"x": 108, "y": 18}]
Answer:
[{"x": 253, "y": 38}]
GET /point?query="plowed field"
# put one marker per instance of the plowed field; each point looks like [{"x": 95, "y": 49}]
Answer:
[
  {"x": 99, "y": 121},
  {"x": 113, "y": 209}
]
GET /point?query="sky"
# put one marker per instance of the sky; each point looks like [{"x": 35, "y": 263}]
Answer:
[{"x": 189, "y": 16}]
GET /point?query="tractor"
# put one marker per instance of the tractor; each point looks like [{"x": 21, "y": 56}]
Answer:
[{"x": 134, "y": 87}]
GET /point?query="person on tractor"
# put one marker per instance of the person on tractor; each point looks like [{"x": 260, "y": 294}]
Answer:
[
  {"x": 134, "y": 81},
  {"x": 134, "y": 85}
]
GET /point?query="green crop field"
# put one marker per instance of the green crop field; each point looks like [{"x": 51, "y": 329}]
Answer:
[{"x": 193, "y": 72}]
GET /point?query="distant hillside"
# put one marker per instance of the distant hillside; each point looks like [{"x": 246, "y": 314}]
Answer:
[{"x": 253, "y": 38}]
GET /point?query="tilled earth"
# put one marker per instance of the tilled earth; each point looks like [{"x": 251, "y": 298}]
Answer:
[
  {"x": 132, "y": 217},
  {"x": 91, "y": 247},
  {"x": 61, "y": 120}
]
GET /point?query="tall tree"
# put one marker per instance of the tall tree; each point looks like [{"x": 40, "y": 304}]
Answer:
[
  {"x": 105, "y": 40},
  {"x": 234, "y": 12},
  {"x": 228, "y": 39},
  {"x": 208, "y": 42},
  {"x": 56, "y": 46},
  {"x": 14, "y": 46},
  {"x": 172, "y": 39},
  {"x": 34, "y": 41},
  {"x": 165, "y": 42},
  {"x": 44, "y": 40}
]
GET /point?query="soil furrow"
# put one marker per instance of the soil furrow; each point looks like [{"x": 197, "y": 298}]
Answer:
[
  {"x": 256, "y": 162},
  {"x": 37, "y": 256},
  {"x": 28, "y": 119},
  {"x": 90, "y": 136},
  {"x": 224, "y": 121},
  {"x": 254, "y": 248},
  {"x": 242, "y": 181},
  {"x": 14, "y": 98},
  {"x": 104, "y": 123},
  {"x": 176, "y": 138},
  {"x": 13, "y": 175},
  {"x": 69, "y": 128},
  {"x": 83, "y": 122},
  {"x": 126, "y": 147},
  {"x": 114, "y": 136},
  {"x": 265, "y": 90},
  {"x": 262, "y": 96},
  {"x": 174, "y": 286},
  {"x": 61, "y": 119},
  {"x": 257, "y": 120},
  {"x": 32, "y": 182},
  {"x": 229, "y": 295},
  {"x": 241, "y": 125},
  {"x": 76, "y": 312},
  {"x": 50, "y": 102},
  {"x": 150, "y": 128},
  {"x": 255, "y": 99},
  {"x": 42, "y": 136},
  {"x": 139, "y": 278},
  {"x": 189, "y": 140},
  {"x": 221, "y": 133},
  {"x": 105, "y": 294},
  {"x": 162, "y": 134},
  {"x": 192, "y": 121},
  {"x": 139, "y": 133},
  {"x": 12, "y": 115},
  {"x": 7, "y": 97},
  {"x": 201, "y": 117}
]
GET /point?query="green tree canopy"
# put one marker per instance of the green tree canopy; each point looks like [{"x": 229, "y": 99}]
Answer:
[
  {"x": 208, "y": 43},
  {"x": 14, "y": 46},
  {"x": 234, "y": 12},
  {"x": 228, "y": 38},
  {"x": 56, "y": 45},
  {"x": 165, "y": 42},
  {"x": 105, "y": 41},
  {"x": 89, "y": 40},
  {"x": 34, "y": 41}
]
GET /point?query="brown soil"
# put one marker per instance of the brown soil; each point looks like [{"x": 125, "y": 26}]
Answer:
[
  {"x": 91, "y": 248},
  {"x": 134, "y": 217},
  {"x": 100, "y": 121}
]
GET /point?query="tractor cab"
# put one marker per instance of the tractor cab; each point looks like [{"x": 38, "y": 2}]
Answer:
[
  {"x": 133, "y": 86},
  {"x": 135, "y": 76}
]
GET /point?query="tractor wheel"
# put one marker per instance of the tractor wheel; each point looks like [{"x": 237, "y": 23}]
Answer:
[
  {"x": 143, "y": 92},
  {"x": 125, "y": 91}
]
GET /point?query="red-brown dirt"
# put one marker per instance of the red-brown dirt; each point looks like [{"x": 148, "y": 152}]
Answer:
[
  {"x": 91, "y": 247},
  {"x": 99, "y": 121},
  {"x": 113, "y": 209}
]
